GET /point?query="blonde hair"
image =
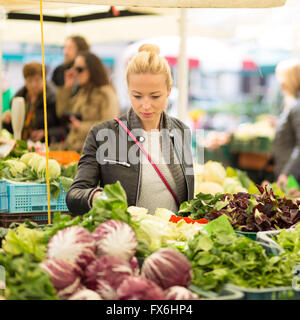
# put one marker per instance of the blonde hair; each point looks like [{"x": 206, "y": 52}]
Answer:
[
  {"x": 288, "y": 74},
  {"x": 147, "y": 60}
]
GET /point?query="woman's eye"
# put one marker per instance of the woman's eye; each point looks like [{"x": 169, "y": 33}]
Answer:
[
  {"x": 137, "y": 97},
  {"x": 155, "y": 97}
]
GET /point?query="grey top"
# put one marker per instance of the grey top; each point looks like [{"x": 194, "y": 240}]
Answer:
[
  {"x": 287, "y": 142},
  {"x": 151, "y": 183}
]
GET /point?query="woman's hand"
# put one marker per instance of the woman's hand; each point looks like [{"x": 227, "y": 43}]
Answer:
[
  {"x": 70, "y": 78},
  {"x": 294, "y": 193},
  {"x": 6, "y": 117},
  {"x": 282, "y": 181},
  {"x": 74, "y": 123},
  {"x": 96, "y": 195},
  {"x": 37, "y": 135}
]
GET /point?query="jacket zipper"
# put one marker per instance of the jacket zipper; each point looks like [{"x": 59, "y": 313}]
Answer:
[
  {"x": 117, "y": 162},
  {"x": 176, "y": 151}
]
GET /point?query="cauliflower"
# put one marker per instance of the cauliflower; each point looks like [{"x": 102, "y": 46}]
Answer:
[
  {"x": 15, "y": 166},
  {"x": 208, "y": 187},
  {"x": 214, "y": 172}
]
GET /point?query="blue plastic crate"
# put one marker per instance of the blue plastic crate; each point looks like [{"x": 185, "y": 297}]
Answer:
[
  {"x": 32, "y": 197},
  {"x": 3, "y": 196}
]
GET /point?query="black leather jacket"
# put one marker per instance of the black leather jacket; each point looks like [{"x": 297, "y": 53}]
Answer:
[{"x": 96, "y": 169}]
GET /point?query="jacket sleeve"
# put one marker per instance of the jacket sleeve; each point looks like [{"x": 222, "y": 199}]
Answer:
[
  {"x": 102, "y": 107},
  {"x": 86, "y": 180},
  {"x": 63, "y": 100},
  {"x": 292, "y": 165}
]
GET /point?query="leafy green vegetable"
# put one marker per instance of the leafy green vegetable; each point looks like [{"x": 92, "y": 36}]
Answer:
[
  {"x": 25, "y": 280},
  {"x": 69, "y": 171},
  {"x": 199, "y": 206},
  {"x": 227, "y": 258},
  {"x": 25, "y": 240}
]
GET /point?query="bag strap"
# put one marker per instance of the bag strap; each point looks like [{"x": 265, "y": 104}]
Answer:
[{"x": 149, "y": 158}]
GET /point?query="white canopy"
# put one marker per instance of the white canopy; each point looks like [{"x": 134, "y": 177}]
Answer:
[{"x": 16, "y": 4}]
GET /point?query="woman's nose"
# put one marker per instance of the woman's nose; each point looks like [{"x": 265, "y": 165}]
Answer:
[{"x": 146, "y": 103}]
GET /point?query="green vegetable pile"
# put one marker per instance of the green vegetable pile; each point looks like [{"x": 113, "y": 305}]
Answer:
[
  {"x": 31, "y": 167},
  {"x": 223, "y": 257},
  {"x": 22, "y": 251}
]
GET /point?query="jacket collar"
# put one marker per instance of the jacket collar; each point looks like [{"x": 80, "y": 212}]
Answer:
[{"x": 134, "y": 122}]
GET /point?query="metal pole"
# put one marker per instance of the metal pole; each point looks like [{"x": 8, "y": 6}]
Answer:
[
  {"x": 2, "y": 21},
  {"x": 183, "y": 71}
]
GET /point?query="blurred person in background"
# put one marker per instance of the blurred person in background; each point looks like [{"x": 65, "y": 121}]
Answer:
[
  {"x": 95, "y": 101},
  {"x": 32, "y": 92},
  {"x": 72, "y": 46},
  {"x": 7, "y": 94},
  {"x": 286, "y": 149}
]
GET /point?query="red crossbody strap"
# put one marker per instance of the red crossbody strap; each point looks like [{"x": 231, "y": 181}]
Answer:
[{"x": 149, "y": 158}]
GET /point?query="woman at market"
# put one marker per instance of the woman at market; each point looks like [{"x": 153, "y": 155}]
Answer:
[
  {"x": 73, "y": 45},
  {"x": 32, "y": 92},
  {"x": 287, "y": 139},
  {"x": 95, "y": 101},
  {"x": 118, "y": 150}
]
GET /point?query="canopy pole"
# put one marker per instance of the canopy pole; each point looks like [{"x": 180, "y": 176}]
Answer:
[
  {"x": 2, "y": 21},
  {"x": 45, "y": 112},
  {"x": 183, "y": 68}
]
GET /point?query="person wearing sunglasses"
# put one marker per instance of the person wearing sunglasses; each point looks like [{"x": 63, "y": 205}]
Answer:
[
  {"x": 72, "y": 46},
  {"x": 146, "y": 150},
  {"x": 95, "y": 101}
]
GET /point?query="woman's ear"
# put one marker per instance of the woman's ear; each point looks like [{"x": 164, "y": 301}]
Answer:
[{"x": 169, "y": 91}]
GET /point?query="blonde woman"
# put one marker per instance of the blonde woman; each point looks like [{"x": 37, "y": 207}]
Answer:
[
  {"x": 287, "y": 139},
  {"x": 145, "y": 149}
]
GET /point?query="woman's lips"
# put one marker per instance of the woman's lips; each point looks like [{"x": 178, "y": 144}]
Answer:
[{"x": 147, "y": 114}]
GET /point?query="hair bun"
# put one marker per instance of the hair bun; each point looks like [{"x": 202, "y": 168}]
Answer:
[{"x": 149, "y": 48}]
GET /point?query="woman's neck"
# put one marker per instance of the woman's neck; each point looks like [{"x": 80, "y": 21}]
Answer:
[{"x": 151, "y": 126}]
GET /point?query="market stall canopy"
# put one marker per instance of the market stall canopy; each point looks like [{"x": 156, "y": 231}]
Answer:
[{"x": 164, "y": 3}]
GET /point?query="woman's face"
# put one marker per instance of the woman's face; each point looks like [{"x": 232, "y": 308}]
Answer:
[
  {"x": 70, "y": 51},
  {"x": 148, "y": 95},
  {"x": 83, "y": 74}
]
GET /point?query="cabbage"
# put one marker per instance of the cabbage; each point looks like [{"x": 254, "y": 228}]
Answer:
[
  {"x": 180, "y": 293},
  {"x": 27, "y": 157},
  {"x": 74, "y": 244},
  {"x": 167, "y": 267},
  {"x": 208, "y": 188},
  {"x": 54, "y": 168},
  {"x": 154, "y": 231},
  {"x": 139, "y": 288},
  {"x": 163, "y": 213},
  {"x": 110, "y": 234},
  {"x": 137, "y": 211},
  {"x": 214, "y": 172},
  {"x": 233, "y": 185},
  {"x": 105, "y": 274},
  {"x": 198, "y": 172},
  {"x": 64, "y": 275},
  {"x": 85, "y": 294},
  {"x": 186, "y": 231},
  {"x": 34, "y": 162},
  {"x": 5, "y": 134},
  {"x": 15, "y": 166}
]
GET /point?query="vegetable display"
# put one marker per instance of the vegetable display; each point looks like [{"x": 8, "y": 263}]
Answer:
[
  {"x": 65, "y": 276},
  {"x": 223, "y": 257},
  {"x": 74, "y": 244},
  {"x": 105, "y": 274},
  {"x": 167, "y": 267},
  {"x": 139, "y": 288},
  {"x": 256, "y": 212},
  {"x": 180, "y": 293},
  {"x": 109, "y": 235}
]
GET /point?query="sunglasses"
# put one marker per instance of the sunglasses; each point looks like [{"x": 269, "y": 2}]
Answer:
[{"x": 80, "y": 69}]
